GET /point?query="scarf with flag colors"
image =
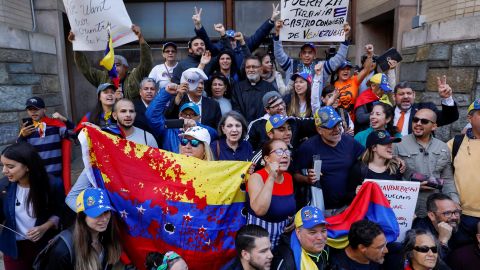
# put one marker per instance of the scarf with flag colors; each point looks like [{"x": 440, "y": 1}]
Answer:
[
  {"x": 371, "y": 204},
  {"x": 108, "y": 62},
  {"x": 167, "y": 201}
]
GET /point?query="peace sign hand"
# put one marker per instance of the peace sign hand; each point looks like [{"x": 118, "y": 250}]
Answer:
[
  {"x": 197, "y": 18},
  {"x": 275, "y": 12},
  {"x": 444, "y": 90}
]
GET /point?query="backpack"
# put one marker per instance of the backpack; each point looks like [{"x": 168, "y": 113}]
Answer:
[
  {"x": 457, "y": 141},
  {"x": 42, "y": 258}
]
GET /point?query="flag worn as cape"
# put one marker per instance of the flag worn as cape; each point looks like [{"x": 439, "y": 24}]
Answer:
[
  {"x": 371, "y": 204},
  {"x": 108, "y": 62},
  {"x": 66, "y": 153},
  {"x": 168, "y": 201},
  {"x": 365, "y": 97}
]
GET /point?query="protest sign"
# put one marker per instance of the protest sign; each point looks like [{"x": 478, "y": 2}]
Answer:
[
  {"x": 90, "y": 20},
  {"x": 402, "y": 196},
  {"x": 313, "y": 20}
]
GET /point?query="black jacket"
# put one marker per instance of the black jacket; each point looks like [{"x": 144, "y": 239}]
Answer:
[
  {"x": 283, "y": 256},
  {"x": 247, "y": 98},
  {"x": 211, "y": 112},
  {"x": 447, "y": 115},
  {"x": 191, "y": 61}
]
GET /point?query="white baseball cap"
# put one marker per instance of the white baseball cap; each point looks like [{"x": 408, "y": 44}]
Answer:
[
  {"x": 193, "y": 76},
  {"x": 198, "y": 133}
]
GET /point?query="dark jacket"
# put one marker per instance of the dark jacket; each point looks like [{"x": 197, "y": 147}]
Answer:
[
  {"x": 8, "y": 191},
  {"x": 140, "y": 118},
  {"x": 283, "y": 256},
  {"x": 247, "y": 98},
  {"x": 191, "y": 61},
  {"x": 234, "y": 264},
  {"x": 447, "y": 115},
  {"x": 211, "y": 112},
  {"x": 253, "y": 42}
]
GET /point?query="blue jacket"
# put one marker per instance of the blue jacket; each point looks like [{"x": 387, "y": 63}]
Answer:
[
  {"x": 253, "y": 42},
  {"x": 8, "y": 191},
  {"x": 156, "y": 120}
]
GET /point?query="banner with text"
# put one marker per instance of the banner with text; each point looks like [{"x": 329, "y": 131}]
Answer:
[
  {"x": 314, "y": 20},
  {"x": 402, "y": 196},
  {"x": 90, "y": 20}
]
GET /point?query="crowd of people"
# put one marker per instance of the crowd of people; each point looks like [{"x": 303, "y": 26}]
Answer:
[{"x": 229, "y": 100}]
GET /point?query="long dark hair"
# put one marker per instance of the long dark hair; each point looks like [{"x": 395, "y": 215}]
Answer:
[
  {"x": 96, "y": 115},
  {"x": 85, "y": 256},
  {"x": 233, "y": 67},
  {"x": 219, "y": 76},
  {"x": 38, "y": 178},
  {"x": 388, "y": 110},
  {"x": 294, "y": 106}
]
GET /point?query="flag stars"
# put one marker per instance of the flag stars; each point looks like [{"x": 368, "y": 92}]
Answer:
[
  {"x": 202, "y": 230},
  {"x": 141, "y": 210},
  {"x": 187, "y": 217},
  {"x": 208, "y": 242},
  {"x": 123, "y": 214}
]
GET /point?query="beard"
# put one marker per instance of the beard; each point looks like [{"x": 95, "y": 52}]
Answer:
[
  {"x": 253, "y": 77},
  {"x": 256, "y": 266}
]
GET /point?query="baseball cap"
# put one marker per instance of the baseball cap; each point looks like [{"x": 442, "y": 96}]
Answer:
[
  {"x": 270, "y": 97},
  {"x": 93, "y": 202},
  {"x": 346, "y": 64},
  {"x": 382, "y": 80},
  {"x": 230, "y": 33},
  {"x": 105, "y": 86},
  {"x": 35, "y": 102},
  {"x": 198, "y": 133},
  {"x": 193, "y": 76},
  {"x": 474, "y": 106},
  {"x": 169, "y": 44},
  {"x": 326, "y": 117},
  {"x": 192, "y": 106},
  {"x": 305, "y": 75},
  {"x": 120, "y": 59},
  {"x": 380, "y": 137},
  {"x": 276, "y": 121},
  {"x": 308, "y": 45},
  {"x": 309, "y": 217}
]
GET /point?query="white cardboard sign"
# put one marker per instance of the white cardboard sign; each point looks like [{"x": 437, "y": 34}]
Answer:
[
  {"x": 90, "y": 20},
  {"x": 313, "y": 20},
  {"x": 402, "y": 196}
]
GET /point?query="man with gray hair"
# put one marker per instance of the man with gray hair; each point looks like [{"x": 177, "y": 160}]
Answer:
[
  {"x": 129, "y": 78},
  {"x": 148, "y": 91}
]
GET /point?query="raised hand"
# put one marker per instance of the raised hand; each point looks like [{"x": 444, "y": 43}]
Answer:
[
  {"x": 392, "y": 64},
  {"x": 239, "y": 37},
  {"x": 71, "y": 36},
  {"x": 444, "y": 90},
  {"x": 138, "y": 32},
  {"x": 369, "y": 49},
  {"x": 206, "y": 57},
  {"x": 220, "y": 28},
  {"x": 197, "y": 18},
  {"x": 278, "y": 26},
  {"x": 57, "y": 115},
  {"x": 319, "y": 68},
  {"x": 346, "y": 28},
  {"x": 275, "y": 12}
]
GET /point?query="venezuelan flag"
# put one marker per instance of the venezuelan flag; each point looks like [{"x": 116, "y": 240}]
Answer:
[
  {"x": 108, "y": 62},
  {"x": 168, "y": 201},
  {"x": 371, "y": 204}
]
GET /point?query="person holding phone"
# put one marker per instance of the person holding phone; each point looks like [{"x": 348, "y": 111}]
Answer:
[
  {"x": 47, "y": 134},
  {"x": 270, "y": 195}
]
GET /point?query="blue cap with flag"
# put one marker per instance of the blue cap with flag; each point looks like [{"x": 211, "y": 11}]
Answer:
[
  {"x": 192, "y": 106},
  {"x": 327, "y": 117},
  {"x": 308, "y": 217},
  {"x": 381, "y": 80},
  {"x": 474, "y": 106},
  {"x": 230, "y": 33},
  {"x": 93, "y": 202},
  {"x": 276, "y": 121}
]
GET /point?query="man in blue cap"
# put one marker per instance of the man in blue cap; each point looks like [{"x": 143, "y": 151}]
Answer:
[
  {"x": 338, "y": 153},
  {"x": 306, "y": 247}
]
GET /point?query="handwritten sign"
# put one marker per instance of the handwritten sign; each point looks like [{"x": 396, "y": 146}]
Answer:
[
  {"x": 313, "y": 20},
  {"x": 402, "y": 196},
  {"x": 90, "y": 20}
]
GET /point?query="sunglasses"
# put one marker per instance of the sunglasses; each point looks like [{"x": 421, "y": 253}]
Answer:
[
  {"x": 425, "y": 249},
  {"x": 193, "y": 142},
  {"x": 423, "y": 121}
]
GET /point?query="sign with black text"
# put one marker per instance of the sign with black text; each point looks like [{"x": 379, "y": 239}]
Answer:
[{"x": 313, "y": 20}]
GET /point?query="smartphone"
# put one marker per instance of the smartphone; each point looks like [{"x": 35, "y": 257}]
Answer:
[
  {"x": 174, "y": 123},
  {"x": 391, "y": 53},
  {"x": 27, "y": 120}
]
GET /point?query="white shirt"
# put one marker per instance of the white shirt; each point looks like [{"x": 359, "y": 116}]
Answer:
[
  {"x": 142, "y": 137},
  {"x": 24, "y": 220},
  {"x": 199, "y": 104},
  {"x": 162, "y": 74}
]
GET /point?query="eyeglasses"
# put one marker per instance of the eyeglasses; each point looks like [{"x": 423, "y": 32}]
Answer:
[
  {"x": 425, "y": 249},
  {"x": 448, "y": 214},
  {"x": 252, "y": 67},
  {"x": 422, "y": 120},
  {"x": 193, "y": 142},
  {"x": 281, "y": 152}
]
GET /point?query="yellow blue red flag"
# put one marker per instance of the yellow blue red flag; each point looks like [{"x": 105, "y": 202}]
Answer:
[
  {"x": 168, "y": 201},
  {"x": 108, "y": 62}
]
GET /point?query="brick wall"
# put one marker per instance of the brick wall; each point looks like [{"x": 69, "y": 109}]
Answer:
[
  {"x": 458, "y": 60},
  {"x": 438, "y": 10},
  {"x": 17, "y": 13}
]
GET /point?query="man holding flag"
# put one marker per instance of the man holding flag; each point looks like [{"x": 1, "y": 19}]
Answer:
[{"x": 117, "y": 71}]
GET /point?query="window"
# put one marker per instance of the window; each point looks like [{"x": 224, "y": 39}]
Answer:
[
  {"x": 149, "y": 16},
  {"x": 249, "y": 15}
]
